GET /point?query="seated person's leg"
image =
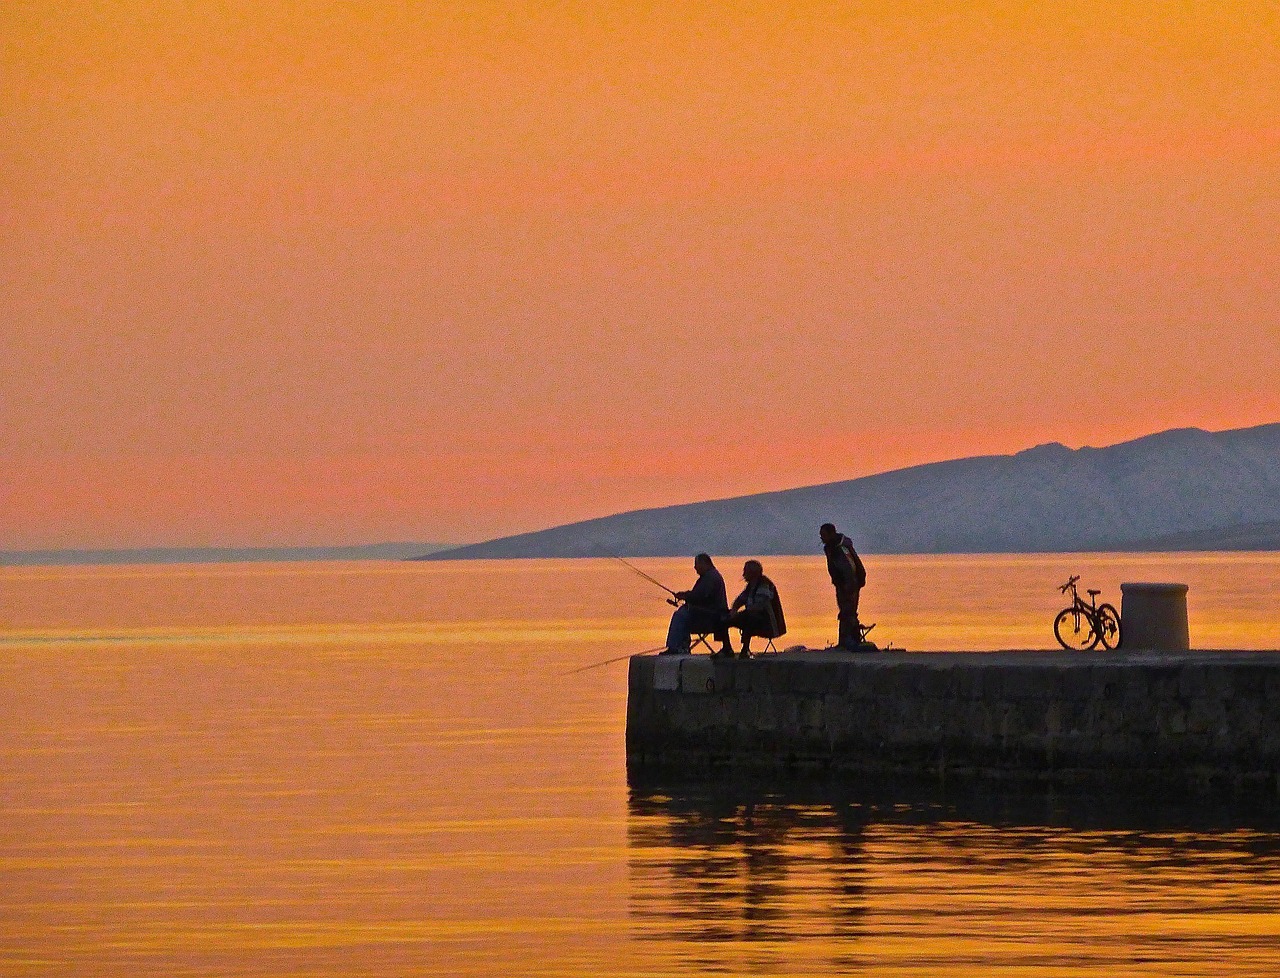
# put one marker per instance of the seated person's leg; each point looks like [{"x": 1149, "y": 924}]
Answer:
[
  {"x": 751, "y": 624},
  {"x": 679, "y": 631},
  {"x": 721, "y": 635}
]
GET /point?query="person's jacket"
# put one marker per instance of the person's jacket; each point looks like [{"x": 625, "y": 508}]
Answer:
[
  {"x": 708, "y": 593},
  {"x": 844, "y": 565},
  {"x": 761, "y": 596}
]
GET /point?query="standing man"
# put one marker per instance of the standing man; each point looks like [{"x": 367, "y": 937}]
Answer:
[
  {"x": 848, "y": 577},
  {"x": 704, "y": 609}
]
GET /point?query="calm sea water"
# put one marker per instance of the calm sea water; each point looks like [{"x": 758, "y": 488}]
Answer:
[{"x": 391, "y": 769}]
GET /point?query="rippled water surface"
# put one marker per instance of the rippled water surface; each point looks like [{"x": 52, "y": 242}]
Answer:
[{"x": 387, "y": 769}]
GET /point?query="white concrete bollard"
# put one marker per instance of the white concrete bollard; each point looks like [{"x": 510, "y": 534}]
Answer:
[{"x": 1154, "y": 616}]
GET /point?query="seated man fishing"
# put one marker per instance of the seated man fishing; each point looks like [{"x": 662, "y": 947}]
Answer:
[
  {"x": 757, "y": 610},
  {"x": 703, "y": 609}
]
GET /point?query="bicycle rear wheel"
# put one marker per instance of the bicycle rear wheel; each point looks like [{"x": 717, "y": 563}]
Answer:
[
  {"x": 1074, "y": 630},
  {"x": 1108, "y": 626}
]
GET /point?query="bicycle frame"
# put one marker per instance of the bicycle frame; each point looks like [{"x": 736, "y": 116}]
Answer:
[
  {"x": 1078, "y": 605},
  {"x": 1103, "y": 621}
]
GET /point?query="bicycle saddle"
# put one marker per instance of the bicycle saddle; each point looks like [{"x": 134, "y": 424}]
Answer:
[{"x": 1094, "y": 593}]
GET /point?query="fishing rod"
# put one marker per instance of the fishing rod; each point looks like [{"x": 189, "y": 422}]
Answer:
[
  {"x": 597, "y": 665},
  {"x": 675, "y": 600},
  {"x": 644, "y": 575}
]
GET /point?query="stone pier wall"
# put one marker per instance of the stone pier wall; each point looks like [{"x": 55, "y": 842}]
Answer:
[{"x": 1188, "y": 716}]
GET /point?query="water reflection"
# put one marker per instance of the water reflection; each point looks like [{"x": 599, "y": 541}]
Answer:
[
  {"x": 734, "y": 864},
  {"x": 893, "y": 878}
]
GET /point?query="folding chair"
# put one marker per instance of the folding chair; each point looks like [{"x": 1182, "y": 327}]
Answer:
[{"x": 769, "y": 647}]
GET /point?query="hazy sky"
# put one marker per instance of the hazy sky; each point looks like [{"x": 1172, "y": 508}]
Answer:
[{"x": 285, "y": 273}]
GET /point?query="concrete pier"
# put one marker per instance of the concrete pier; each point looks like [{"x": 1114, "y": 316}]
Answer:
[{"x": 1194, "y": 717}]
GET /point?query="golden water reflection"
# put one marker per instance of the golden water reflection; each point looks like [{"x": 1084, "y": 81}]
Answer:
[{"x": 824, "y": 880}]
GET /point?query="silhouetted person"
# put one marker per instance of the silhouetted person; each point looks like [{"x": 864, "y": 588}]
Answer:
[
  {"x": 848, "y": 577},
  {"x": 704, "y": 610},
  {"x": 758, "y": 609}
]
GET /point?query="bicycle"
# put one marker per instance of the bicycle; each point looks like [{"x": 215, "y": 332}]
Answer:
[{"x": 1082, "y": 626}]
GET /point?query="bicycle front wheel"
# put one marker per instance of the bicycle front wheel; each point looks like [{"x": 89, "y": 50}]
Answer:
[
  {"x": 1108, "y": 626},
  {"x": 1074, "y": 630}
]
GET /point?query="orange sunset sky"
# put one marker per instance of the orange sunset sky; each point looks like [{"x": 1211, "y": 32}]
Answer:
[{"x": 308, "y": 273}]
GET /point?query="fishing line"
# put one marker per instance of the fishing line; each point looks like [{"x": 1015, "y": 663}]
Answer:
[{"x": 596, "y": 665}]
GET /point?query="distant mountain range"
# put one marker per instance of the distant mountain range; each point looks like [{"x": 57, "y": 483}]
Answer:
[
  {"x": 1249, "y": 536},
  {"x": 214, "y": 555},
  {"x": 1184, "y": 489}
]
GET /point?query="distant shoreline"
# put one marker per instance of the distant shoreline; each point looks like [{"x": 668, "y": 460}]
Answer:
[{"x": 214, "y": 555}]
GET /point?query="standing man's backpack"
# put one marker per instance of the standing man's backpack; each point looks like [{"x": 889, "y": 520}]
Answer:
[{"x": 860, "y": 572}]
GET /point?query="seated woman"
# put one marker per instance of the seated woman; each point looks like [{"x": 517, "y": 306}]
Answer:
[{"x": 758, "y": 609}]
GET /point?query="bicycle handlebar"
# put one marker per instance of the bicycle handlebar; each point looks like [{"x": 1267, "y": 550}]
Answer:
[{"x": 1064, "y": 587}]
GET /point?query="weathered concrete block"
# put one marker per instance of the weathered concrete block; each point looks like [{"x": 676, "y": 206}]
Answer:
[
  {"x": 1134, "y": 687},
  {"x": 1192, "y": 681},
  {"x": 816, "y": 679},
  {"x": 856, "y": 687},
  {"x": 1247, "y": 725},
  {"x": 886, "y": 679},
  {"x": 640, "y": 672},
  {"x": 744, "y": 676},
  {"x": 1026, "y": 682},
  {"x": 1267, "y": 743},
  {"x": 1078, "y": 682},
  {"x": 697, "y": 674},
  {"x": 966, "y": 683},
  {"x": 970, "y": 720},
  {"x": 837, "y": 715},
  {"x": 1162, "y": 682},
  {"x": 666, "y": 672},
  {"x": 1271, "y": 688},
  {"x": 764, "y": 708},
  {"x": 1205, "y": 715},
  {"x": 1142, "y": 719},
  {"x": 781, "y": 674},
  {"x": 1171, "y": 718},
  {"x": 1074, "y": 715},
  {"x": 1220, "y": 682},
  {"x": 788, "y": 706},
  {"x": 809, "y": 712},
  {"x": 765, "y": 676},
  {"x": 725, "y": 675}
]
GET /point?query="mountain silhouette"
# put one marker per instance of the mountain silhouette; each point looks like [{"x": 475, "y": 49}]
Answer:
[{"x": 1187, "y": 485}]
